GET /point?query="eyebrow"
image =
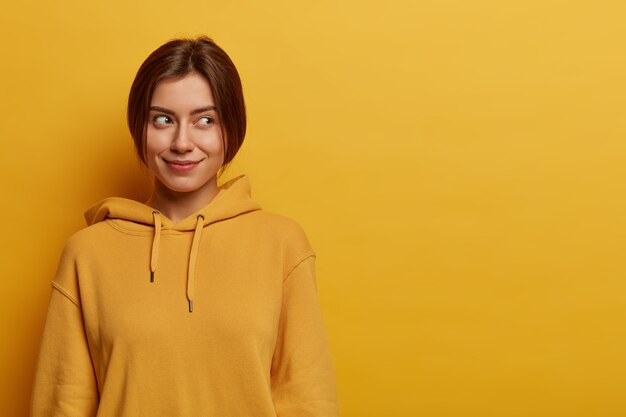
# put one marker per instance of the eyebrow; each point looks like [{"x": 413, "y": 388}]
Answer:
[{"x": 196, "y": 111}]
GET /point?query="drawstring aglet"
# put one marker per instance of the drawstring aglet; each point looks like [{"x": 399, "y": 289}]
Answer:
[
  {"x": 155, "y": 244},
  {"x": 190, "y": 306}
]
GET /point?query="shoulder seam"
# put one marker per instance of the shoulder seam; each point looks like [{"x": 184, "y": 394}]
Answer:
[
  {"x": 306, "y": 256},
  {"x": 66, "y": 293}
]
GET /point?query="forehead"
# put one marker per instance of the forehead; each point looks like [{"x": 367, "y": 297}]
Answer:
[{"x": 188, "y": 92}]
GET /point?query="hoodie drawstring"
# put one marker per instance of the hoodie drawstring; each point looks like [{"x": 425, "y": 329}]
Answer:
[
  {"x": 193, "y": 255},
  {"x": 154, "y": 257}
]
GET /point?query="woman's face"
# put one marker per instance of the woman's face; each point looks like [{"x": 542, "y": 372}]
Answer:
[{"x": 184, "y": 147}]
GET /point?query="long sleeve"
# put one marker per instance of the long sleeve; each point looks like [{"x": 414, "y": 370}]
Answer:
[
  {"x": 65, "y": 384},
  {"x": 303, "y": 381}
]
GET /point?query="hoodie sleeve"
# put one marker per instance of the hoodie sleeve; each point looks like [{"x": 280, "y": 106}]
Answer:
[
  {"x": 65, "y": 384},
  {"x": 303, "y": 381}
]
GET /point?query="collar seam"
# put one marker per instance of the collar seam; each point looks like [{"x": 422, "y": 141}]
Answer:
[{"x": 121, "y": 229}]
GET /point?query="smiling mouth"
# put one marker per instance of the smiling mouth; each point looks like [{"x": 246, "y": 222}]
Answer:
[
  {"x": 182, "y": 162},
  {"x": 182, "y": 166}
]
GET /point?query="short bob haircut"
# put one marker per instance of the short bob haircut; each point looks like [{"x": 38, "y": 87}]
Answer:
[{"x": 175, "y": 59}]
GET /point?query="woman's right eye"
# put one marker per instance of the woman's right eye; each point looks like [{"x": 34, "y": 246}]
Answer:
[{"x": 162, "y": 120}]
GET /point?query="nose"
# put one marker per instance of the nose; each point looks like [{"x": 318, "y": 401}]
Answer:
[{"x": 182, "y": 142}]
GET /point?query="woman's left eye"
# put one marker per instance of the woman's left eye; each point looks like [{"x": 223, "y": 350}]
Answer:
[{"x": 205, "y": 120}]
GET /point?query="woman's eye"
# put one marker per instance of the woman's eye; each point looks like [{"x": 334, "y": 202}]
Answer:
[
  {"x": 162, "y": 120},
  {"x": 205, "y": 121}
]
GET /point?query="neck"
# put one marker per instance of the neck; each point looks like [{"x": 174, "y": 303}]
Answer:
[{"x": 176, "y": 205}]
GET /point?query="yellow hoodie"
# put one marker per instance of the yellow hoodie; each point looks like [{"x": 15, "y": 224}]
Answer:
[{"x": 216, "y": 315}]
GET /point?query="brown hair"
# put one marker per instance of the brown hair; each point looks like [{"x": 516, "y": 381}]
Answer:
[{"x": 178, "y": 58}]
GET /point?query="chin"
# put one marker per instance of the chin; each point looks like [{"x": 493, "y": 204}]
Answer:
[{"x": 184, "y": 186}]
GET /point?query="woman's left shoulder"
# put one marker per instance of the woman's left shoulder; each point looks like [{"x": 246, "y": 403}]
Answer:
[
  {"x": 286, "y": 228},
  {"x": 277, "y": 222}
]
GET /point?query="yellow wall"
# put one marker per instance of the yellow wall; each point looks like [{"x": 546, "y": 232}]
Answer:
[{"x": 458, "y": 165}]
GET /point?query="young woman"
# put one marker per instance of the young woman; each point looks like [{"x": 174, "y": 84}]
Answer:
[{"x": 196, "y": 303}]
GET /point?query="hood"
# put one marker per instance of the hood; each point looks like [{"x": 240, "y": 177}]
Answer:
[{"x": 233, "y": 198}]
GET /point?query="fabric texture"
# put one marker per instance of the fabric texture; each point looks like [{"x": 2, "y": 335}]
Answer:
[{"x": 216, "y": 315}]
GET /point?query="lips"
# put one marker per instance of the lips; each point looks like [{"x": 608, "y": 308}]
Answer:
[
  {"x": 174, "y": 161},
  {"x": 182, "y": 166}
]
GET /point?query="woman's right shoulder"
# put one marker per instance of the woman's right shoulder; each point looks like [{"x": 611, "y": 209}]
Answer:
[{"x": 86, "y": 238}]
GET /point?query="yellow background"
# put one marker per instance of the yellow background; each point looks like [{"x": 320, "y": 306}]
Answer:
[{"x": 458, "y": 165}]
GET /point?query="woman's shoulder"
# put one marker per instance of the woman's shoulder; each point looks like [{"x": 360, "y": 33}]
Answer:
[
  {"x": 87, "y": 237},
  {"x": 275, "y": 219},
  {"x": 277, "y": 222},
  {"x": 283, "y": 227}
]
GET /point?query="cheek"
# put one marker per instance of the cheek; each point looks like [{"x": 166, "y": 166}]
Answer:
[
  {"x": 156, "y": 142},
  {"x": 212, "y": 144}
]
